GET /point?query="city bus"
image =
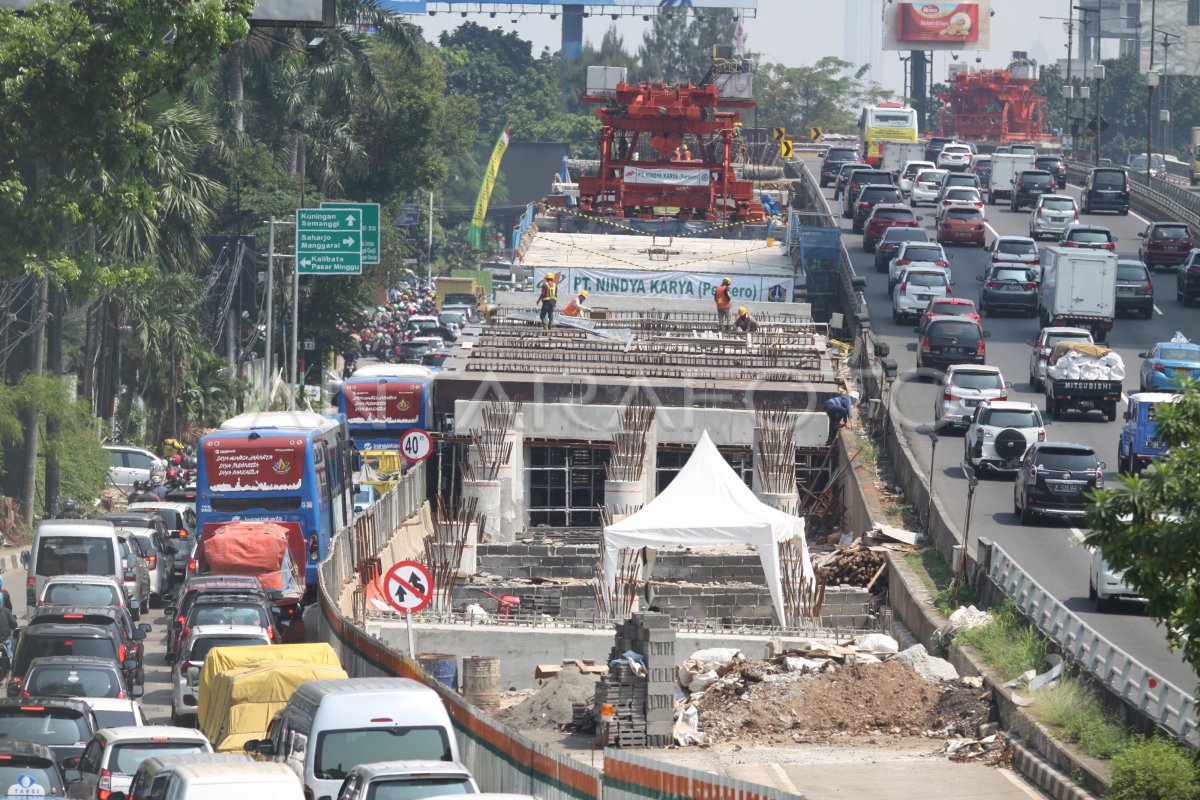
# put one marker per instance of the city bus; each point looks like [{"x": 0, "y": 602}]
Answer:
[
  {"x": 382, "y": 401},
  {"x": 287, "y": 467},
  {"x": 886, "y": 122}
]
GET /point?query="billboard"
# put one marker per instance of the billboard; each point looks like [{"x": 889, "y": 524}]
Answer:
[
  {"x": 265, "y": 464},
  {"x": 551, "y": 6},
  {"x": 937, "y": 25},
  {"x": 383, "y": 403}
]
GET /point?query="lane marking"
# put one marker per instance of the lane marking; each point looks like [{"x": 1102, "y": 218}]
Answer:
[
  {"x": 1076, "y": 536},
  {"x": 1158, "y": 310},
  {"x": 783, "y": 781}
]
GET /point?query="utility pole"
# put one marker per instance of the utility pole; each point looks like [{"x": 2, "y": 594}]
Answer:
[
  {"x": 1070, "y": 88},
  {"x": 1099, "y": 73},
  {"x": 54, "y": 362},
  {"x": 1151, "y": 82},
  {"x": 33, "y": 416},
  {"x": 268, "y": 353},
  {"x": 429, "y": 256}
]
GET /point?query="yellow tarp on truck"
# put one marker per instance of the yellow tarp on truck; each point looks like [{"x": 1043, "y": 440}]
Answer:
[{"x": 241, "y": 687}]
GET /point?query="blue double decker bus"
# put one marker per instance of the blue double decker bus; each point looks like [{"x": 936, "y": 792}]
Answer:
[{"x": 288, "y": 467}]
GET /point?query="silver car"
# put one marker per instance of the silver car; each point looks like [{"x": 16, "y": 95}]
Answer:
[
  {"x": 128, "y": 464},
  {"x": 1106, "y": 585},
  {"x": 134, "y": 574},
  {"x": 1051, "y": 215},
  {"x": 964, "y": 388},
  {"x": 1044, "y": 343},
  {"x": 160, "y": 562}
]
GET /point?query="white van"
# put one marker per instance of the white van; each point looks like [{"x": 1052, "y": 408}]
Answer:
[
  {"x": 154, "y": 773},
  {"x": 71, "y": 547},
  {"x": 330, "y": 727},
  {"x": 256, "y": 779}
]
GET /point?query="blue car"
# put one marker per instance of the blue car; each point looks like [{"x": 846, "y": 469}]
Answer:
[
  {"x": 1139, "y": 444},
  {"x": 1168, "y": 362}
]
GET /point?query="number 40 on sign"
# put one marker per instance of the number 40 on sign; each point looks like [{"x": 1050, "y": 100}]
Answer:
[{"x": 416, "y": 445}]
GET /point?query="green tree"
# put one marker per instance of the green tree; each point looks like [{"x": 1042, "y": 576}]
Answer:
[
  {"x": 1148, "y": 525},
  {"x": 678, "y": 46},
  {"x": 826, "y": 94}
]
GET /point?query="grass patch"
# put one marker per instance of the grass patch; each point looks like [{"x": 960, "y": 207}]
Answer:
[
  {"x": 938, "y": 578},
  {"x": 1154, "y": 769},
  {"x": 1072, "y": 708},
  {"x": 1006, "y": 643}
]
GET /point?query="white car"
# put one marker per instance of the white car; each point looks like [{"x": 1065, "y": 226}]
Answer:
[
  {"x": 185, "y": 668},
  {"x": 954, "y": 157},
  {"x": 908, "y": 175},
  {"x": 963, "y": 389},
  {"x": 1106, "y": 585},
  {"x": 958, "y": 196},
  {"x": 1016, "y": 250},
  {"x": 128, "y": 464},
  {"x": 926, "y": 187},
  {"x": 386, "y": 779},
  {"x": 1000, "y": 433},
  {"x": 1044, "y": 343},
  {"x": 917, "y": 286},
  {"x": 1051, "y": 215},
  {"x": 916, "y": 254},
  {"x": 114, "y": 712},
  {"x": 114, "y": 754}
]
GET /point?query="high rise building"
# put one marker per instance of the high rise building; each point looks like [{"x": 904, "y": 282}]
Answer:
[{"x": 863, "y": 36}]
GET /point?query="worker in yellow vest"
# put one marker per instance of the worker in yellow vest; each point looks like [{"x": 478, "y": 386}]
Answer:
[
  {"x": 574, "y": 306},
  {"x": 548, "y": 298}
]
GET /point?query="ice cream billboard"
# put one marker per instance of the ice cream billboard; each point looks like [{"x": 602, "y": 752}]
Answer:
[{"x": 916, "y": 25}]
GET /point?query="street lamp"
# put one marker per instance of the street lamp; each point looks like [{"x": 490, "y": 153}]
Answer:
[
  {"x": 1151, "y": 82},
  {"x": 1098, "y": 74},
  {"x": 931, "y": 432},
  {"x": 961, "y": 570}
]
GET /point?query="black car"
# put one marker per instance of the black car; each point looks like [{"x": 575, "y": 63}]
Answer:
[
  {"x": 869, "y": 197},
  {"x": 834, "y": 158},
  {"x": 860, "y": 178},
  {"x": 130, "y": 636},
  {"x": 889, "y": 243},
  {"x": 1028, "y": 187},
  {"x": 935, "y": 145},
  {"x": 76, "y": 676},
  {"x": 1135, "y": 289},
  {"x": 36, "y": 763},
  {"x": 1009, "y": 288},
  {"x": 1187, "y": 279},
  {"x": 62, "y": 725},
  {"x": 1055, "y": 166},
  {"x": 843, "y": 175},
  {"x": 951, "y": 340},
  {"x": 48, "y": 640},
  {"x": 1106, "y": 189},
  {"x": 1054, "y": 479}
]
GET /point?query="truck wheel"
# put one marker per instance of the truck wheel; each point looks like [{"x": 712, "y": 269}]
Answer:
[
  {"x": 1051, "y": 411},
  {"x": 1111, "y": 411}
]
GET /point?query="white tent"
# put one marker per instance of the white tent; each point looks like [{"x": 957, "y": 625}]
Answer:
[{"x": 709, "y": 504}]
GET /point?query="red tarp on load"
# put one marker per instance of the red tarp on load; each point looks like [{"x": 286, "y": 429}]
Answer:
[{"x": 250, "y": 548}]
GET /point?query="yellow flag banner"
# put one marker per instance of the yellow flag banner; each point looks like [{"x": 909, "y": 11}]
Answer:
[{"x": 475, "y": 232}]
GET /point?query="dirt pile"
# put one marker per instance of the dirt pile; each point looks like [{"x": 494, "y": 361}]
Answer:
[
  {"x": 552, "y": 705},
  {"x": 754, "y": 704}
]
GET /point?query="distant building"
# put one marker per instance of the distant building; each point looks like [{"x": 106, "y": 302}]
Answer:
[{"x": 863, "y": 32}]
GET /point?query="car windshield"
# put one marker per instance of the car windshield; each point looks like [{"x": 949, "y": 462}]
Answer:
[
  {"x": 1048, "y": 163},
  {"x": 1055, "y": 338},
  {"x": 74, "y": 681},
  {"x": 1175, "y": 233},
  {"x": 35, "y": 780},
  {"x": 1028, "y": 178},
  {"x": 126, "y": 758},
  {"x": 115, "y": 718},
  {"x": 201, "y": 647},
  {"x": 1108, "y": 179},
  {"x": 905, "y": 235},
  {"x": 1010, "y": 247},
  {"x": 977, "y": 380},
  {"x": 951, "y": 309},
  {"x": 930, "y": 177},
  {"x": 951, "y": 329},
  {"x": 1178, "y": 354},
  {"x": 930, "y": 254},
  {"x": 893, "y": 213},
  {"x": 401, "y": 789},
  {"x": 1131, "y": 273},
  {"x": 926, "y": 279},
  {"x": 1062, "y": 458},
  {"x": 1014, "y": 418},
  {"x": 74, "y": 555},
  {"x": 963, "y": 213},
  {"x": 170, "y": 517},
  {"x": 841, "y": 154},
  {"x": 1013, "y": 274},
  {"x": 81, "y": 594},
  {"x": 962, "y": 194},
  {"x": 1058, "y": 203},
  {"x": 1089, "y": 236},
  {"x": 43, "y": 725},
  {"x": 879, "y": 193},
  {"x": 912, "y": 169},
  {"x": 340, "y": 751},
  {"x": 239, "y": 614}
]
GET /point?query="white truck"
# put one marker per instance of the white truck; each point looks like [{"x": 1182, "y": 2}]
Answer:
[
  {"x": 1079, "y": 289},
  {"x": 897, "y": 154},
  {"x": 1005, "y": 169}
]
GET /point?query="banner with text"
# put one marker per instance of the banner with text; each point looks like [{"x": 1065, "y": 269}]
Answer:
[
  {"x": 668, "y": 177},
  {"x": 671, "y": 285}
]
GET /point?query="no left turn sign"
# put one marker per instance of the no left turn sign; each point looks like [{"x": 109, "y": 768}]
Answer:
[
  {"x": 416, "y": 445},
  {"x": 408, "y": 586}
]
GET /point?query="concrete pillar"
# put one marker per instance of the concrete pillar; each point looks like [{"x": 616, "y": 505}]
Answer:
[
  {"x": 487, "y": 504},
  {"x": 787, "y": 502},
  {"x": 650, "y": 465},
  {"x": 512, "y": 485},
  {"x": 620, "y": 497}
]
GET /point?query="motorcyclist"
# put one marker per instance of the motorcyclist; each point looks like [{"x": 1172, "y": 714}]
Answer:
[
  {"x": 144, "y": 495},
  {"x": 5, "y": 597},
  {"x": 69, "y": 511},
  {"x": 158, "y": 488}
]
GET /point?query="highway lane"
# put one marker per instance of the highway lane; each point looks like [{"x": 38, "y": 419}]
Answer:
[{"x": 1049, "y": 552}]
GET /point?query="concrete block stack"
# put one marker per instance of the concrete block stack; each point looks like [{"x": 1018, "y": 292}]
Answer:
[{"x": 642, "y": 704}]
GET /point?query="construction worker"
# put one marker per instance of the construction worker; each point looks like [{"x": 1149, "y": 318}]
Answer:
[
  {"x": 745, "y": 322},
  {"x": 724, "y": 298},
  {"x": 685, "y": 154},
  {"x": 575, "y": 305},
  {"x": 838, "y": 410},
  {"x": 548, "y": 298}
]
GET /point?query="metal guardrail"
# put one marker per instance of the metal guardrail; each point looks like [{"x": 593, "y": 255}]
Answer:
[
  {"x": 1166, "y": 704},
  {"x": 523, "y": 224}
]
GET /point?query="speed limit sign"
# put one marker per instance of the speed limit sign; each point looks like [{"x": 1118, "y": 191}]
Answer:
[{"x": 416, "y": 445}]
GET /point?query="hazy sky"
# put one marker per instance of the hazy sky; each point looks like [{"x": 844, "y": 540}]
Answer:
[{"x": 797, "y": 32}]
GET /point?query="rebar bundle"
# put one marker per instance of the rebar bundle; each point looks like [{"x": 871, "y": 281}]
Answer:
[
  {"x": 616, "y": 601},
  {"x": 488, "y": 446},
  {"x": 803, "y": 594},
  {"x": 452, "y": 519},
  {"x": 628, "y": 457},
  {"x": 775, "y": 453}
]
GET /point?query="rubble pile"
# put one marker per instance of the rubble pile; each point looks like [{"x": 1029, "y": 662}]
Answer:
[
  {"x": 857, "y": 566},
  {"x": 553, "y": 705}
]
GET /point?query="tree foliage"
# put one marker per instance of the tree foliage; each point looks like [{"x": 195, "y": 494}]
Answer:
[
  {"x": 1148, "y": 525},
  {"x": 828, "y": 94},
  {"x": 678, "y": 46}
]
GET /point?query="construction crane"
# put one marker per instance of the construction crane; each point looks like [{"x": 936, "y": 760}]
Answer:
[{"x": 994, "y": 105}]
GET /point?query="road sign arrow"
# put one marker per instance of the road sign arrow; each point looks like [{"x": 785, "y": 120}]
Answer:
[
  {"x": 348, "y": 241},
  {"x": 306, "y": 262},
  {"x": 351, "y": 220}
]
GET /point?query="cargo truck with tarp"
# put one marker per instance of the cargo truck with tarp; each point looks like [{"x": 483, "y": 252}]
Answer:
[{"x": 272, "y": 551}]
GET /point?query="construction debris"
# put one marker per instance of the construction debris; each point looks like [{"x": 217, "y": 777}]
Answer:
[
  {"x": 553, "y": 705},
  {"x": 854, "y": 566},
  {"x": 931, "y": 668},
  {"x": 587, "y": 667},
  {"x": 640, "y": 684}
]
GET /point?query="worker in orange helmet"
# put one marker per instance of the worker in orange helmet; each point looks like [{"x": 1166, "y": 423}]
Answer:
[
  {"x": 575, "y": 306},
  {"x": 724, "y": 298}
]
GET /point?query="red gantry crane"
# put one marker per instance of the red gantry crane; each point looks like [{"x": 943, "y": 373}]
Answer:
[
  {"x": 668, "y": 149},
  {"x": 993, "y": 105}
]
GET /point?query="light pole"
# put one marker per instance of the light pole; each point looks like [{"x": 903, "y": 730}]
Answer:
[
  {"x": 961, "y": 570},
  {"x": 1098, "y": 74},
  {"x": 931, "y": 432},
  {"x": 1151, "y": 82}
]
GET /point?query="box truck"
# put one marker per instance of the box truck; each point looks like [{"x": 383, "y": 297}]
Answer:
[
  {"x": 1079, "y": 289},
  {"x": 1005, "y": 169},
  {"x": 897, "y": 154}
]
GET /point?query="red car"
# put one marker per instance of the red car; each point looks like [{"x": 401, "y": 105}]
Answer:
[
  {"x": 1165, "y": 244},
  {"x": 961, "y": 225},
  {"x": 884, "y": 216},
  {"x": 949, "y": 307}
]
